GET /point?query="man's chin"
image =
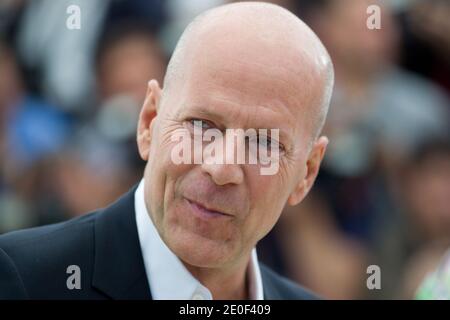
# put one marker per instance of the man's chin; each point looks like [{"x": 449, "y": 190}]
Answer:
[{"x": 202, "y": 252}]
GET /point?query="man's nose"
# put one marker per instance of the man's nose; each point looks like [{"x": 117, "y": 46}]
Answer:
[
  {"x": 223, "y": 174},
  {"x": 221, "y": 169}
]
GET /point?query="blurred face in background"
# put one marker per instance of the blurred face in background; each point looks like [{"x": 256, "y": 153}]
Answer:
[
  {"x": 126, "y": 60},
  {"x": 87, "y": 170},
  {"x": 428, "y": 193},
  {"x": 127, "y": 64},
  {"x": 342, "y": 27},
  {"x": 230, "y": 82},
  {"x": 10, "y": 80}
]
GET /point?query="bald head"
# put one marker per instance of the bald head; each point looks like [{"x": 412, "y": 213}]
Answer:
[{"x": 264, "y": 35}]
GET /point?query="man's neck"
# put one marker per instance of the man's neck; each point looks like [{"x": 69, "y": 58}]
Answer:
[{"x": 224, "y": 283}]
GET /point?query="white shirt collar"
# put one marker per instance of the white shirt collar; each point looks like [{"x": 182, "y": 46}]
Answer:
[{"x": 168, "y": 278}]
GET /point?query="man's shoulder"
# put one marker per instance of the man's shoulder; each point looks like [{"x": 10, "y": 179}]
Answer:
[
  {"x": 48, "y": 235},
  {"x": 38, "y": 263},
  {"x": 277, "y": 287},
  {"x": 34, "y": 262}
]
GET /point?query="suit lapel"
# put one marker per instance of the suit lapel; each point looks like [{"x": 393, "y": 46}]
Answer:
[
  {"x": 119, "y": 270},
  {"x": 271, "y": 291}
]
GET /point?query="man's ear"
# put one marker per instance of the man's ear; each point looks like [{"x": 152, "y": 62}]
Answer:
[
  {"x": 148, "y": 113},
  {"x": 312, "y": 169}
]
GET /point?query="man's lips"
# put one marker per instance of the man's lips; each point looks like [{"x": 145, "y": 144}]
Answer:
[{"x": 206, "y": 209}]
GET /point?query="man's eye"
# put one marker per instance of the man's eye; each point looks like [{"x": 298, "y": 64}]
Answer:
[
  {"x": 265, "y": 141},
  {"x": 200, "y": 124}
]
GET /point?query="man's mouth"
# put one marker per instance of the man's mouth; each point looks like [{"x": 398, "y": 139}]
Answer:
[{"x": 206, "y": 211}]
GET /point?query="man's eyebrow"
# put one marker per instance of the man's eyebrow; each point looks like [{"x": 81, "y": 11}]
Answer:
[
  {"x": 200, "y": 111},
  {"x": 209, "y": 114}
]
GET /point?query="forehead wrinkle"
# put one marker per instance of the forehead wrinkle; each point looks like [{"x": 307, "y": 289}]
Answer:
[{"x": 227, "y": 89}]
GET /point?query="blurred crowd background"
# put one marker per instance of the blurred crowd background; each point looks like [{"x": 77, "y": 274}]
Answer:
[{"x": 69, "y": 102}]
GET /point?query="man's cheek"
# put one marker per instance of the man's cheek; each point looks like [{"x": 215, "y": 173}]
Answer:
[{"x": 270, "y": 197}]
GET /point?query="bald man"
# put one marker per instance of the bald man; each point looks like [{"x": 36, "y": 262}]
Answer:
[{"x": 189, "y": 229}]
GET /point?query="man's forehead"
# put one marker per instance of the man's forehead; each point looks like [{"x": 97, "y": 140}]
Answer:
[
  {"x": 254, "y": 64},
  {"x": 259, "y": 92},
  {"x": 255, "y": 70}
]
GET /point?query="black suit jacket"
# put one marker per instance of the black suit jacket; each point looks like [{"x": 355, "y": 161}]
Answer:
[{"x": 105, "y": 245}]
